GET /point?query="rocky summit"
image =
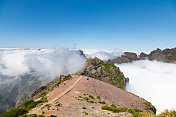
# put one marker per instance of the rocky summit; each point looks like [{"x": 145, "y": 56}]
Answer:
[
  {"x": 105, "y": 71},
  {"x": 126, "y": 57}
]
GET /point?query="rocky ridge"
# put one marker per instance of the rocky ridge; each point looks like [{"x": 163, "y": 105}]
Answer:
[
  {"x": 104, "y": 71},
  {"x": 166, "y": 55}
]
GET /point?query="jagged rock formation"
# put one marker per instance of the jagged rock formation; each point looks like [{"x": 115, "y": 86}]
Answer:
[
  {"x": 143, "y": 56},
  {"x": 166, "y": 55},
  {"x": 105, "y": 71},
  {"x": 82, "y": 53},
  {"x": 126, "y": 57}
]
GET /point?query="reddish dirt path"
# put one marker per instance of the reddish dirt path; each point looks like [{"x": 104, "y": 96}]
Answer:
[{"x": 55, "y": 97}]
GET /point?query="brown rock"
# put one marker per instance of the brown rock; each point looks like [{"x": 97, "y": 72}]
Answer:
[{"x": 143, "y": 56}]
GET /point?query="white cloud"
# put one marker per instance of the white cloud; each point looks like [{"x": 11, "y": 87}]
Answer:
[
  {"x": 48, "y": 63},
  {"x": 152, "y": 80},
  {"x": 102, "y": 54}
]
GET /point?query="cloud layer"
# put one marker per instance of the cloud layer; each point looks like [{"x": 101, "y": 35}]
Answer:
[
  {"x": 48, "y": 63},
  {"x": 102, "y": 54},
  {"x": 152, "y": 80}
]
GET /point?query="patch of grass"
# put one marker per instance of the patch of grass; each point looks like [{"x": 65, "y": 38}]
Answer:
[
  {"x": 167, "y": 113},
  {"x": 23, "y": 109},
  {"x": 86, "y": 113},
  {"x": 91, "y": 101},
  {"x": 42, "y": 94},
  {"x": 33, "y": 115},
  {"x": 114, "y": 109},
  {"x": 15, "y": 112},
  {"x": 102, "y": 102},
  {"x": 98, "y": 97},
  {"x": 134, "y": 112}
]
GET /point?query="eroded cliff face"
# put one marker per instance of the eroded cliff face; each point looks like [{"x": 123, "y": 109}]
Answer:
[{"x": 105, "y": 71}]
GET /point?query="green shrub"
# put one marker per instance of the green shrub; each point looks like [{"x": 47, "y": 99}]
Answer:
[
  {"x": 123, "y": 109},
  {"x": 114, "y": 109},
  {"x": 134, "y": 112},
  {"x": 167, "y": 113},
  {"x": 84, "y": 107},
  {"x": 106, "y": 107},
  {"x": 92, "y": 97},
  {"x": 98, "y": 97},
  {"x": 31, "y": 104},
  {"x": 102, "y": 102},
  {"x": 91, "y": 101},
  {"x": 112, "y": 105},
  {"x": 86, "y": 113}
]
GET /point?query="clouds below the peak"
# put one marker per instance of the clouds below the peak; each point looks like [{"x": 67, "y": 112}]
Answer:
[
  {"x": 48, "y": 63},
  {"x": 152, "y": 80},
  {"x": 103, "y": 54}
]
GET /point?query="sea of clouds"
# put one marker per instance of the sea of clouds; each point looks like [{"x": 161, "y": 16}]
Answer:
[
  {"x": 103, "y": 54},
  {"x": 152, "y": 80},
  {"x": 47, "y": 63}
]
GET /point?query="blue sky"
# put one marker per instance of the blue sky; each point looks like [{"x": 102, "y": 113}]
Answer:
[{"x": 89, "y": 24}]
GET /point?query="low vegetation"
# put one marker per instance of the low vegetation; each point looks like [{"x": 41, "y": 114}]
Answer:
[
  {"x": 167, "y": 113},
  {"x": 15, "y": 112},
  {"x": 102, "y": 102},
  {"x": 90, "y": 99},
  {"x": 23, "y": 109},
  {"x": 84, "y": 107},
  {"x": 33, "y": 115},
  {"x": 134, "y": 112},
  {"x": 86, "y": 113}
]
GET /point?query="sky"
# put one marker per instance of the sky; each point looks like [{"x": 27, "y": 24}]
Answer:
[{"x": 140, "y": 25}]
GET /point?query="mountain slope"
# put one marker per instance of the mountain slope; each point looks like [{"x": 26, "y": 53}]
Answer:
[
  {"x": 90, "y": 92},
  {"x": 73, "y": 95}
]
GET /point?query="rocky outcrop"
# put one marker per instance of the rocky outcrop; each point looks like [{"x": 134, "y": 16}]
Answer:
[
  {"x": 143, "y": 56},
  {"x": 157, "y": 55},
  {"x": 166, "y": 55},
  {"x": 105, "y": 71},
  {"x": 81, "y": 53},
  {"x": 126, "y": 57}
]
